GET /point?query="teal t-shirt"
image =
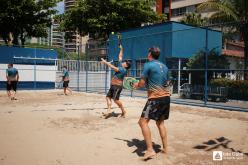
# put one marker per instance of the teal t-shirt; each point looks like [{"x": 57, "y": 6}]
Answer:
[
  {"x": 65, "y": 73},
  {"x": 156, "y": 75},
  {"x": 121, "y": 73},
  {"x": 11, "y": 73}
]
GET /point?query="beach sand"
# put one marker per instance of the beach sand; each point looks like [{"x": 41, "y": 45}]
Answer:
[{"x": 48, "y": 128}]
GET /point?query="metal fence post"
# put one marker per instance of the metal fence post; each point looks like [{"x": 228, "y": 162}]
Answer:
[
  {"x": 78, "y": 69},
  {"x": 86, "y": 68},
  {"x": 206, "y": 69},
  {"x": 34, "y": 68},
  {"x": 107, "y": 70},
  {"x": 179, "y": 76}
]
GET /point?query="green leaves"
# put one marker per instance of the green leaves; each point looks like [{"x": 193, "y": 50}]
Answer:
[
  {"x": 197, "y": 64},
  {"x": 194, "y": 19},
  {"x": 231, "y": 10},
  {"x": 214, "y": 61},
  {"x": 225, "y": 9},
  {"x": 100, "y": 17},
  {"x": 25, "y": 18}
]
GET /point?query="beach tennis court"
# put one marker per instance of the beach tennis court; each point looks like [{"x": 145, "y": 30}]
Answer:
[{"x": 46, "y": 127}]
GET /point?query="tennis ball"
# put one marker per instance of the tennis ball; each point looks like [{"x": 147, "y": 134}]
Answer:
[{"x": 112, "y": 33}]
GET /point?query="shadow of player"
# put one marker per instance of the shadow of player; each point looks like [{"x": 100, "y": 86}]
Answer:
[
  {"x": 140, "y": 146},
  {"x": 113, "y": 114}
]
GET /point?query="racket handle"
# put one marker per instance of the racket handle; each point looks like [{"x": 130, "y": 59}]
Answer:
[{"x": 119, "y": 40}]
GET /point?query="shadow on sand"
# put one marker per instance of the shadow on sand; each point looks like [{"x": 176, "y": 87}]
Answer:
[
  {"x": 140, "y": 146},
  {"x": 214, "y": 144}
]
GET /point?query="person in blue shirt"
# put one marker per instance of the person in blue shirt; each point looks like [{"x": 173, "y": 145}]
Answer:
[
  {"x": 12, "y": 77},
  {"x": 116, "y": 83},
  {"x": 66, "y": 80},
  {"x": 155, "y": 78}
]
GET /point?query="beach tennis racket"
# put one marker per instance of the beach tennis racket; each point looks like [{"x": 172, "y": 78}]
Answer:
[
  {"x": 128, "y": 83},
  {"x": 119, "y": 39}
]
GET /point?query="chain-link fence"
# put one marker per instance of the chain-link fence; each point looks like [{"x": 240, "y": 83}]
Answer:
[{"x": 206, "y": 64}]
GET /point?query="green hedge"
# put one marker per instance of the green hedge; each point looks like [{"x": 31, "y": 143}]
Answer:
[{"x": 237, "y": 89}]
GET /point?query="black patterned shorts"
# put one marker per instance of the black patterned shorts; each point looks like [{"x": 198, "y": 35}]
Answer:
[
  {"x": 157, "y": 109},
  {"x": 66, "y": 84},
  {"x": 114, "y": 92},
  {"x": 12, "y": 85}
]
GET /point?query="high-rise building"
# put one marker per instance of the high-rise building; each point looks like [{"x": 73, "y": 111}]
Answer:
[
  {"x": 54, "y": 38},
  {"x": 57, "y": 37},
  {"x": 76, "y": 41},
  {"x": 176, "y": 9},
  {"x": 69, "y": 4}
]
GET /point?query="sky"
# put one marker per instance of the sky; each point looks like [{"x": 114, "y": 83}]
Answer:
[{"x": 60, "y": 7}]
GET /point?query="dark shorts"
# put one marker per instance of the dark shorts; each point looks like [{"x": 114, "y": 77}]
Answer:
[
  {"x": 66, "y": 84},
  {"x": 157, "y": 109},
  {"x": 114, "y": 92},
  {"x": 12, "y": 85}
]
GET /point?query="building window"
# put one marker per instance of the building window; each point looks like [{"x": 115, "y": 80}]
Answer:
[{"x": 179, "y": 11}]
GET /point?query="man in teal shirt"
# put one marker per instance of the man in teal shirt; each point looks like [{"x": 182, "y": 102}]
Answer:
[
  {"x": 116, "y": 83},
  {"x": 66, "y": 80},
  {"x": 12, "y": 77},
  {"x": 156, "y": 78}
]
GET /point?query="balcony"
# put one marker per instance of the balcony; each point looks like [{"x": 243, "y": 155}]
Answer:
[{"x": 100, "y": 52}]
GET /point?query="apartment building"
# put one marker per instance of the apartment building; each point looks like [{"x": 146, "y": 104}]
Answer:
[
  {"x": 76, "y": 42},
  {"x": 54, "y": 38},
  {"x": 57, "y": 37},
  {"x": 176, "y": 9}
]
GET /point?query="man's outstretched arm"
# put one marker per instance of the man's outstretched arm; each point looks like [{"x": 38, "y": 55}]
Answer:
[
  {"x": 116, "y": 69},
  {"x": 121, "y": 53}
]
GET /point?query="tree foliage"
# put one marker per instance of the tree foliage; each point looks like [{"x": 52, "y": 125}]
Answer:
[
  {"x": 231, "y": 10},
  {"x": 194, "y": 19},
  {"x": 100, "y": 17},
  {"x": 197, "y": 64},
  {"x": 25, "y": 18}
]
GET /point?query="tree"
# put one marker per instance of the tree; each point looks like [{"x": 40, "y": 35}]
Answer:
[
  {"x": 197, "y": 63},
  {"x": 99, "y": 18},
  {"x": 194, "y": 19},
  {"x": 25, "y": 18},
  {"x": 231, "y": 10}
]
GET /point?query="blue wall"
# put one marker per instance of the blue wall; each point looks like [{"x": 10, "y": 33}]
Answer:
[
  {"x": 188, "y": 40},
  {"x": 136, "y": 42},
  {"x": 30, "y": 85},
  {"x": 7, "y": 55},
  {"x": 174, "y": 39}
]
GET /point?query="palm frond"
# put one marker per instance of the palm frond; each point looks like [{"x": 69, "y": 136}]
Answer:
[{"x": 223, "y": 7}]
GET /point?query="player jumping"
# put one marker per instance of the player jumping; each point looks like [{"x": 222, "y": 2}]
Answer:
[{"x": 116, "y": 83}]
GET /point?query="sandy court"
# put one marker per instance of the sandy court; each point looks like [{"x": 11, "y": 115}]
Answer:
[{"x": 48, "y": 128}]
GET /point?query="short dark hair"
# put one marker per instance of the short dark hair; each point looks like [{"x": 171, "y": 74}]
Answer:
[
  {"x": 65, "y": 66},
  {"x": 155, "y": 52},
  {"x": 10, "y": 64},
  {"x": 128, "y": 64}
]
